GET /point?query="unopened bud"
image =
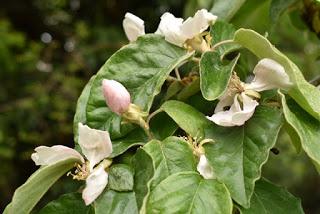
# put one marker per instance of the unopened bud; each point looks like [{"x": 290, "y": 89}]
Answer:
[{"x": 116, "y": 95}]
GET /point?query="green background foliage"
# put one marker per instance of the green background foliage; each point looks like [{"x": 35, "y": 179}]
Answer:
[{"x": 50, "y": 49}]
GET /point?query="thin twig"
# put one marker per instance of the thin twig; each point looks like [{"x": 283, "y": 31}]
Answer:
[
  {"x": 153, "y": 114},
  {"x": 176, "y": 70},
  {"x": 222, "y": 43}
]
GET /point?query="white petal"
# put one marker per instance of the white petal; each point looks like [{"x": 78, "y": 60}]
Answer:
[
  {"x": 45, "y": 155},
  {"x": 95, "y": 184},
  {"x": 269, "y": 75},
  {"x": 236, "y": 116},
  {"x": 170, "y": 28},
  {"x": 226, "y": 100},
  {"x": 116, "y": 95},
  {"x": 133, "y": 26},
  {"x": 204, "y": 168},
  {"x": 195, "y": 25},
  {"x": 95, "y": 144}
]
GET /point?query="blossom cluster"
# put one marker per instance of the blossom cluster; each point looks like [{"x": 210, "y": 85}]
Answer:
[{"x": 236, "y": 105}]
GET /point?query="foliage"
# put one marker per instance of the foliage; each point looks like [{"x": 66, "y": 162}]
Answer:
[{"x": 151, "y": 178}]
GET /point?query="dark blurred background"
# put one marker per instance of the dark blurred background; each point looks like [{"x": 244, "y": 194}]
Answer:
[{"x": 50, "y": 48}]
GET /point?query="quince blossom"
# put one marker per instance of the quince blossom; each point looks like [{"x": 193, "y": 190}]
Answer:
[
  {"x": 96, "y": 146},
  {"x": 239, "y": 96},
  {"x": 133, "y": 26},
  {"x": 175, "y": 30},
  {"x": 116, "y": 95}
]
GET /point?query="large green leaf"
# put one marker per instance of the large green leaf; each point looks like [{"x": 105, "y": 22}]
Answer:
[
  {"x": 189, "y": 119},
  {"x": 136, "y": 137},
  {"x": 162, "y": 126},
  {"x": 305, "y": 94},
  {"x": 188, "y": 192},
  {"x": 222, "y": 31},
  {"x": 71, "y": 203},
  {"x": 27, "y": 195},
  {"x": 80, "y": 115},
  {"x": 144, "y": 171},
  {"x": 120, "y": 177},
  {"x": 113, "y": 202},
  {"x": 169, "y": 156},
  {"x": 307, "y": 128},
  {"x": 243, "y": 150},
  {"x": 226, "y": 9},
  {"x": 270, "y": 199},
  {"x": 142, "y": 67},
  {"x": 238, "y": 152},
  {"x": 214, "y": 74}
]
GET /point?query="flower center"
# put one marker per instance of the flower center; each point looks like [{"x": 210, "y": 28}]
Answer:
[
  {"x": 81, "y": 172},
  {"x": 235, "y": 86}
]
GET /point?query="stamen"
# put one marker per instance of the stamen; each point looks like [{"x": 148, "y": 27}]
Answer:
[
  {"x": 235, "y": 86},
  {"x": 81, "y": 172}
]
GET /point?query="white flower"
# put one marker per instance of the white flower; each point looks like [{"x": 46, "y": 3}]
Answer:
[
  {"x": 236, "y": 115},
  {"x": 178, "y": 32},
  {"x": 269, "y": 75},
  {"x": 96, "y": 146},
  {"x": 198, "y": 23},
  {"x": 239, "y": 97},
  {"x": 117, "y": 97},
  {"x": 204, "y": 168},
  {"x": 170, "y": 28},
  {"x": 95, "y": 184},
  {"x": 133, "y": 26}
]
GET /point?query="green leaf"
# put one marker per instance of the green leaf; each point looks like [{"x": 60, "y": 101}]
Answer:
[
  {"x": 161, "y": 131},
  {"x": 188, "y": 192},
  {"x": 136, "y": 137},
  {"x": 295, "y": 139},
  {"x": 80, "y": 115},
  {"x": 70, "y": 203},
  {"x": 271, "y": 199},
  {"x": 215, "y": 75},
  {"x": 168, "y": 157},
  {"x": 305, "y": 94},
  {"x": 222, "y": 31},
  {"x": 183, "y": 113},
  {"x": 277, "y": 7},
  {"x": 142, "y": 67},
  {"x": 27, "y": 195},
  {"x": 307, "y": 128},
  {"x": 190, "y": 90},
  {"x": 239, "y": 152},
  {"x": 113, "y": 202},
  {"x": 226, "y": 9},
  {"x": 144, "y": 171},
  {"x": 120, "y": 177}
]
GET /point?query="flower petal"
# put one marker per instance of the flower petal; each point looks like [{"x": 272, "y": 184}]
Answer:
[
  {"x": 95, "y": 184},
  {"x": 195, "y": 25},
  {"x": 269, "y": 74},
  {"x": 204, "y": 168},
  {"x": 133, "y": 26},
  {"x": 226, "y": 100},
  {"x": 45, "y": 155},
  {"x": 95, "y": 144},
  {"x": 236, "y": 116},
  {"x": 116, "y": 95},
  {"x": 169, "y": 27}
]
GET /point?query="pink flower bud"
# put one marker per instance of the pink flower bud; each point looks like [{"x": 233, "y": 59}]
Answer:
[{"x": 116, "y": 95}]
